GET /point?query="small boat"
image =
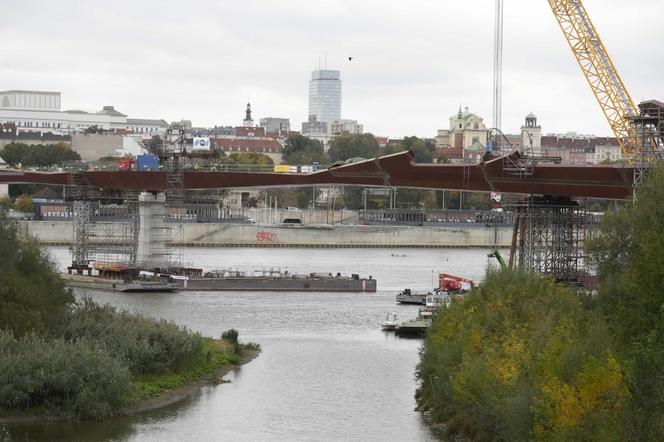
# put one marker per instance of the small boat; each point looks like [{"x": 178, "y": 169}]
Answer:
[
  {"x": 390, "y": 323},
  {"x": 408, "y": 297},
  {"x": 435, "y": 302}
]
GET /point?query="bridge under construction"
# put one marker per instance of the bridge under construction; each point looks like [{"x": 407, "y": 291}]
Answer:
[{"x": 549, "y": 229}]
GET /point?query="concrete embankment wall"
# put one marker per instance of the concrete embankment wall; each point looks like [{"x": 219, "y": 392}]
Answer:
[{"x": 252, "y": 235}]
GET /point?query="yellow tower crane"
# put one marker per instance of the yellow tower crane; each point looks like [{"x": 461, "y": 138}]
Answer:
[{"x": 601, "y": 73}]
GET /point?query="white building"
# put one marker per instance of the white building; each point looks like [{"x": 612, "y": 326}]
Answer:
[
  {"x": 147, "y": 126},
  {"x": 30, "y": 100},
  {"x": 39, "y": 112},
  {"x": 466, "y": 129},
  {"x": 606, "y": 154}
]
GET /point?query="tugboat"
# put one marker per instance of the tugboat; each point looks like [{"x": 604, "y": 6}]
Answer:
[{"x": 408, "y": 297}]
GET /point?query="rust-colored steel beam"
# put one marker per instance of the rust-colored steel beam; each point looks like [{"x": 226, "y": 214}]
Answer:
[
  {"x": 11, "y": 176},
  {"x": 398, "y": 170}
]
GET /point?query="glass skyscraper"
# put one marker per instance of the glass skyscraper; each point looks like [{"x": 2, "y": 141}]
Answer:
[{"x": 325, "y": 96}]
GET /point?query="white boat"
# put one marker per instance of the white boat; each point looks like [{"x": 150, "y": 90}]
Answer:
[
  {"x": 390, "y": 323},
  {"x": 435, "y": 302}
]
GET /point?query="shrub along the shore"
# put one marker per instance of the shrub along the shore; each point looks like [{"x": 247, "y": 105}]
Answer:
[
  {"x": 80, "y": 359},
  {"x": 144, "y": 344},
  {"x": 522, "y": 358}
]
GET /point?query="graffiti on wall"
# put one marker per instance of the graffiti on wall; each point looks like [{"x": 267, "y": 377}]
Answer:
[{"x": 264, "y": 236}]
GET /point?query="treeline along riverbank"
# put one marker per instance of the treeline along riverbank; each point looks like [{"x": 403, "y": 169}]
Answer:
[
  {"x": 63, "y": 358},
  {"x": 524, "y": 358}
]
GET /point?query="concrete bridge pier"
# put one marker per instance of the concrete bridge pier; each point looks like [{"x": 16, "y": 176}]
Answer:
[{"x": 153, "y": 233}]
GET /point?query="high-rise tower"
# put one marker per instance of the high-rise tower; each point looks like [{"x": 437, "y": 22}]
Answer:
[{"x": 325, "y": 96}]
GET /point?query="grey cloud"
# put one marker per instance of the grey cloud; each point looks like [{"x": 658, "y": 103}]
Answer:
[{"x": 414, "y": 61}]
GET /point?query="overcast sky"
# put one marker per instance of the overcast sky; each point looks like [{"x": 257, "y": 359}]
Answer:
[{"x": 414, "y": 61}]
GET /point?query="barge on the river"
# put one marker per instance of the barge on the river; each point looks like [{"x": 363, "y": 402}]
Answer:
[{"x": 227, "y": 281}]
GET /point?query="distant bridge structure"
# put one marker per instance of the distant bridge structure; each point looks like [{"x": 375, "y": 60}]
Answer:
[
  {"x": 549, "y": 230},
  {"x": 508, "y": 174}
]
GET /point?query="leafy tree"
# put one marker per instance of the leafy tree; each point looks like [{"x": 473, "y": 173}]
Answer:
[
  {"x": 392, "y": 148},
  {"x": 94, "y": 130},
  {"x": 155, "y": 144},
  {"x": 476, "y": 201},
  {"x": 286, "y": 197},
  {"x": 6, "y": 202},
  {"x": 305, "y": 197},
  {"x": 629, "y": 259},
  {"x": 416, "y": 199},
  {"x": 522, "y": 358},
  {"x": 24, "y": 203},
  {"x": 33, "y": 297},
  {"x": 304, "y": 150},
  {"x": 444, "y": 159},
  {"x": 346, "y": 146},
  {"x": 353, "y": 199},
  {"x": 250, "y": 158},
  {"x": 38, "y": 154},
  {"x": 423, "y": 150}
]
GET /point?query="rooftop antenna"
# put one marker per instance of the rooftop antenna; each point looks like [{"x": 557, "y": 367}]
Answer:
[
  {"x": 325, "y": 59},
  {"x": 498, "y": 67}
]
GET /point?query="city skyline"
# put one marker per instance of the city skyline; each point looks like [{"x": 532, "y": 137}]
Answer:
[{"x": 412, "y": 65}]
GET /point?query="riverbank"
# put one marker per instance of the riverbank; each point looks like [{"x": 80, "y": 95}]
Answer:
[
  {"x": 452, "y": 235},
  {"x": 170, "y": 396},
  {"x": 156, "y": 392}
]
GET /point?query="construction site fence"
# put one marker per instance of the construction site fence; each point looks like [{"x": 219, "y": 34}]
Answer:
[{"x": 213, "y": 213}]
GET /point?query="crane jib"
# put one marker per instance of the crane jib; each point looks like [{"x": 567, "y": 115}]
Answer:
[{"x": 599, "y": 70}]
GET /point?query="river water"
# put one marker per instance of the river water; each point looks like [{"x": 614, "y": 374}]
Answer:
[{"x": 326, "y": 370}]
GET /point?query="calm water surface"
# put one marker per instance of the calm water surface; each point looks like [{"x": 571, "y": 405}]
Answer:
[{"x": 326, "y": 371}]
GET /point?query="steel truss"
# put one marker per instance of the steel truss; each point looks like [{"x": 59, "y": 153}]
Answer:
[
  {"x": 103, "y": 237},
  {"x": 548, "y": 238},
  {"x": 649, "y": 127}
]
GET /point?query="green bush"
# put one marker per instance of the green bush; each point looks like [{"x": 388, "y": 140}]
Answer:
[
  {"x": 521, "y": 358},
  {"x": 80, "y": 378},
  {"x": 231, "y": 336},
  {"x": 146, "y": 345}
]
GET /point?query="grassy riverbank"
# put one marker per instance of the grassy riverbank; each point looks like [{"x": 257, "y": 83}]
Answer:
[
  {"x": 218, "y": 356},
  {"x": 60, "y": 358}
]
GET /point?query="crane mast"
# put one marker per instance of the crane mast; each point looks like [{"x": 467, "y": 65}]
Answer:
[{"x": 599, "y": 70}]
